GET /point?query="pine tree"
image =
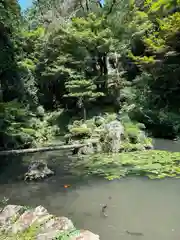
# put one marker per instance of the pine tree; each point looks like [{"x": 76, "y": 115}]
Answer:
[
  {"x": 83, "y": 90},
  {"x": 80, "y": 48}
]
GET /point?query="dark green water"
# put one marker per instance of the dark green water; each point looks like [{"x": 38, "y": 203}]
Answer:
[{"x": 137, "y": 204}]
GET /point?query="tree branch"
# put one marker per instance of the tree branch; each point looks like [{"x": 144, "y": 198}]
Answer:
[
  {"x": 111, "y": 8},
  {"x": 99, "y": 3},
  {"x": 81, "y": 5},
  {"x": 87, "y": 6}
]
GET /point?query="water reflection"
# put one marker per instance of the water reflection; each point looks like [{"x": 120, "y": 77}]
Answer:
[{"x": 167, "y": 145}]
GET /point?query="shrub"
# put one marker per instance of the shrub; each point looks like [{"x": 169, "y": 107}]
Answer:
[
  {"x": 132, "y": 132},
  {"x": 20, "y": 129},
  {"x": 141, "y": 126},
  {"x": 110, "y": 117},
  {"x": 79, "y": 131},
  {"x": 98, "y": 121},
  {"x": 129, "y": 147}
]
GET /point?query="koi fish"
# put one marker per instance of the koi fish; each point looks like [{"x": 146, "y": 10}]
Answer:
[
  {"x": 134, "y": 233},
  {"x": 104, "y": 210}
]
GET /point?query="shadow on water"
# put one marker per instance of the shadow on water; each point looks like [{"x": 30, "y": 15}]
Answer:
[
  {"x": 138, "y": 205},
  {"x": 166, "y": 145},
  {"x": 14, "y": 167},
  {"x": 11, "y": 168}
]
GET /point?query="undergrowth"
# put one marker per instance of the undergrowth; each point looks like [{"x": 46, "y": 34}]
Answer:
[
  {"x": 21, "y": 128},
  {"x": 134, "y": 137}
]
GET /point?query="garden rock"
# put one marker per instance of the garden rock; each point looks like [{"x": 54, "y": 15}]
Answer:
[
  {"x": 44, "y": 226},
  {"x": 86, "y": 150},
  {"x": 114, "y": 132},
  {"x": 38, "y": 170}
]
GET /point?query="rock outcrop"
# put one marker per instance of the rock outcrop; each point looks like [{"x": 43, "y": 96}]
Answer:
[
  {"x": 38, "y": 170},
  {"x": 114, "y": 132},
  {"x": 110, "y": 133},
  {"x": 38, "y": 224}
]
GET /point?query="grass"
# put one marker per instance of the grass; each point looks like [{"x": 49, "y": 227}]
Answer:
[{"x": 152, "y": 163}]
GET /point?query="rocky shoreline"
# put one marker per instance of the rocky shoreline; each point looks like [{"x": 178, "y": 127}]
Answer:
[{"x": 19, "y": 222}]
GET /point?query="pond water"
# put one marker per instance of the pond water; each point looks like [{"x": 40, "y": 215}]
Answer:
[{"x": 150, "y": 207}]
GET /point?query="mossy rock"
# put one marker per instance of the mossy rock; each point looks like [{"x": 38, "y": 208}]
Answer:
[{"x": 132, "y": 138}]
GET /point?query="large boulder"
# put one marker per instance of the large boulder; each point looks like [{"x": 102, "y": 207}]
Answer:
[
  {"x": 38, "y": 170},
  {"x": 115, "y": 129},
  {"x": 7, "y": 214},
  {"x": 113, "y": 135},
  {"x": 39, "y": 223}
]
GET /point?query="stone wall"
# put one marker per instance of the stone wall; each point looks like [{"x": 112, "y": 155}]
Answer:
[{"x": 17, "y": 221}]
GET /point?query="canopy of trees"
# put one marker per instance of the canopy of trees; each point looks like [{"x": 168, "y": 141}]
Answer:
[{"x": 81, "y": 55}]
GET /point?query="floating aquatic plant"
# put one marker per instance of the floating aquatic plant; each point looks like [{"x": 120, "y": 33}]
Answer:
[{"x": 152, "y": 163}]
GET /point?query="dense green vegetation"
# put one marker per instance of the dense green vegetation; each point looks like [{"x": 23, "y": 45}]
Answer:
[
  {"x": 62, "y": 60},
  {"x": 71, "y": 67}
]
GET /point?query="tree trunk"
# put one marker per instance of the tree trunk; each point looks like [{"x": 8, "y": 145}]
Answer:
[{"x": 84, "y": 113}]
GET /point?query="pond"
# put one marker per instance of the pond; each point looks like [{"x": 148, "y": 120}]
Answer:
[{"x": 150, "y": 207}]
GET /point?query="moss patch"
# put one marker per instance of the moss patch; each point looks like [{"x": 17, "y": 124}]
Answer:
[
  {"x": 29, "y": 234},
  {"x": 66, "y": 235},
  {"x": 153, "y": 164}
]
